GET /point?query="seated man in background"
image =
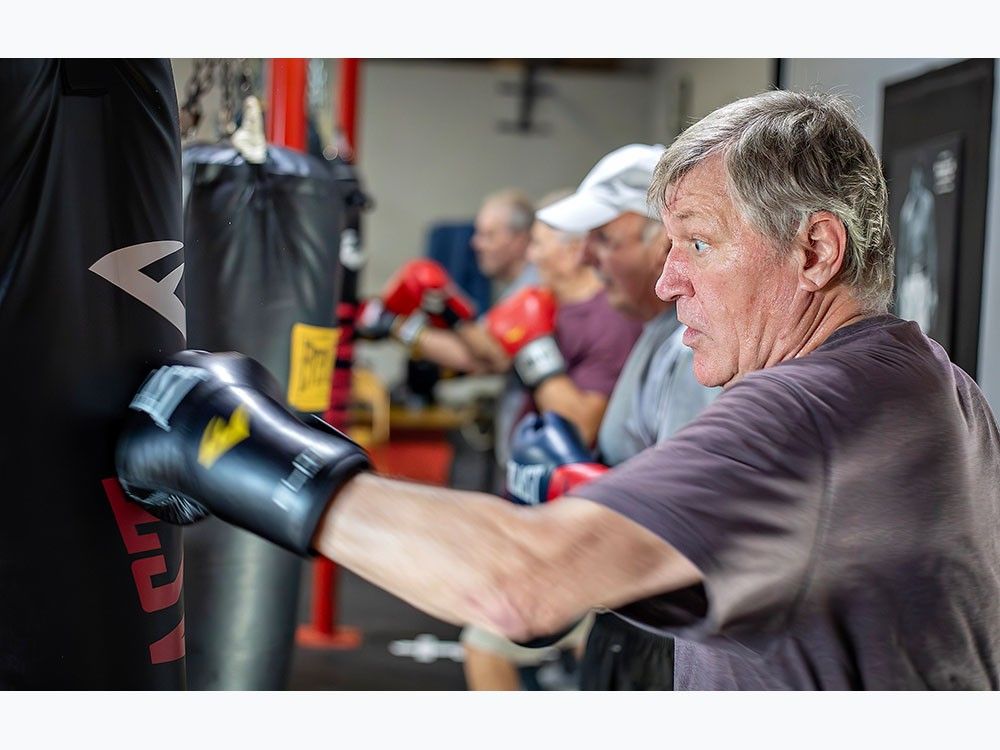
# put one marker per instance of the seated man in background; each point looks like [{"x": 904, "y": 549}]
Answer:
[{"x": 593, "y": 341}]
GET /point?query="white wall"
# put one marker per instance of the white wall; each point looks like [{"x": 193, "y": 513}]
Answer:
[
  {"x": 430, "y": 147},
  {"x": 863, "y": 81},
  {"x": 707, "y": 84}
]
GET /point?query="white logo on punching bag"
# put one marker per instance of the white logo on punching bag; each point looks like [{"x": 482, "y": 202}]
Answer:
[{"x": 123, "y": 268}]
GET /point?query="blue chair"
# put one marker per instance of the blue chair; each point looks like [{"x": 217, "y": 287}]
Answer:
[{"x": 450, "y": 244}]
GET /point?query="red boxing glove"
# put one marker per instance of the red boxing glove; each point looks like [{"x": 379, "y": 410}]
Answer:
[
  {"x": 524, "y": 324},
  {"x": 424, "y": 285}
]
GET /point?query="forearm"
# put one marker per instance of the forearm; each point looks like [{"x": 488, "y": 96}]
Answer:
[
  {"x": 484, "y": 347},
  {"x": 446, "y": 348},
  {"x": 447, "y": 552},
  {"x": 468, "y": 557},
  {"x": 585, "y": 409}
]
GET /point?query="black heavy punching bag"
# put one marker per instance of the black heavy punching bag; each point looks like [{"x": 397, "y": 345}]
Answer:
[
  {"x": 263, "y": 245},
  {"x": 90, "y": 297}
]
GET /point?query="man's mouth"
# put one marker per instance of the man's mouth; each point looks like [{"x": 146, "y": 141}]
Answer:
[{"x": 691, "y": 336}]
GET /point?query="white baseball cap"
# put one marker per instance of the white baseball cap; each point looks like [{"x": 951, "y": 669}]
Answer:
[{"x": 617, "y": 184}]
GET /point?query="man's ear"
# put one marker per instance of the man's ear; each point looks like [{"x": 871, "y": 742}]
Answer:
[{"x": 823, "y": 247}]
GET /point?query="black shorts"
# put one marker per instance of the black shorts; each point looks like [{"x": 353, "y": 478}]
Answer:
[{"x": 620, "y": 656}]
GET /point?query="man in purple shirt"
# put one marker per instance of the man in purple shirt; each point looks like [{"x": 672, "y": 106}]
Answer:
[
  {"x": 593, "y": 340},
  {"x": 830, "y": 521}
]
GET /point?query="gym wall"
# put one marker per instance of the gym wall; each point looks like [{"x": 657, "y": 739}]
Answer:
[
  {"x": 687, "y": 90},
  {"x": 432, "y": 148}
]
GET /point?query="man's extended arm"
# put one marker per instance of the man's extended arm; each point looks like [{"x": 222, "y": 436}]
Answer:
[
  {"x": 468, "y": 557},
  {"x": 207, "y": 433}
]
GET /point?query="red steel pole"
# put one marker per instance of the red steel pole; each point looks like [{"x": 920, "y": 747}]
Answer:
[
  {"x": 347, "y": 103},
  {"x": 286, "y": 121},
  {"x": 323, "y": 631}
]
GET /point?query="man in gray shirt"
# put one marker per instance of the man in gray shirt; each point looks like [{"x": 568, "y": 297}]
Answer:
[
  {"x": 656, "y": 393},
  {"x": 830, "y": 521}
]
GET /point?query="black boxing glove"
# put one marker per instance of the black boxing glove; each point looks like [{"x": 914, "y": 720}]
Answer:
[{"x": 209, "y": 433}]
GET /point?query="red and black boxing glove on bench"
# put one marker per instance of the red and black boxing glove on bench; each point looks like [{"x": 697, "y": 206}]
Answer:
[{"x": 420, "y": 293}]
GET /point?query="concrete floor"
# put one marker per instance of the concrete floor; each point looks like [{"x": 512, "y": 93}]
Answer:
[{"x": 382, "y": 619}]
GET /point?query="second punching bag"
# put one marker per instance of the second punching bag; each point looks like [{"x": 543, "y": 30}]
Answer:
[{"x": 262, "y": 268}]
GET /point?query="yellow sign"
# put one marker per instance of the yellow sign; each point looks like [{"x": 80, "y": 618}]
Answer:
[
  {"x": 311, "y": 369},
  {"x": 221, "y": 435}
]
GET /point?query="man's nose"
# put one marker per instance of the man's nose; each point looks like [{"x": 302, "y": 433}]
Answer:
[{"x": 674, "y": 281}]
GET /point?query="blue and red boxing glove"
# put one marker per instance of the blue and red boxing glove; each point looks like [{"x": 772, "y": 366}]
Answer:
[{"x": 547, "y": 460}]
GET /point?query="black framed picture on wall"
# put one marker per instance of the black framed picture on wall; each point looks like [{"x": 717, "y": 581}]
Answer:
[
  {"x": 923, "y": 215},
  {"x": 936, "y": 130}
]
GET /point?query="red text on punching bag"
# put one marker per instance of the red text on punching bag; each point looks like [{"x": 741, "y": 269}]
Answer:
[{"x": 129, "y": 517}]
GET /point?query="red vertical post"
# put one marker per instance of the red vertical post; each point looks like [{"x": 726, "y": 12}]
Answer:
[
  {"x": 347, "y": 103},
  {"x": 324, "y": 631},
  {"x": 286, "y": 116}
]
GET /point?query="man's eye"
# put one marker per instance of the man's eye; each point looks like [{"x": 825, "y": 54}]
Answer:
[{"x": 700, "y": 246}]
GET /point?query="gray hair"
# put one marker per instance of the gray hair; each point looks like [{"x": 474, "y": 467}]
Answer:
[
  {"x": 788, "y": 155},
  {"x": 521, "y": 210}
]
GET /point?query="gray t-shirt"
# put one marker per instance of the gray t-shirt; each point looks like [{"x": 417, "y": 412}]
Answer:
[
  {"x": 514, "y": 398},
  {"x": 656, "y": 393},
  {"x": 844, "y": 510}
]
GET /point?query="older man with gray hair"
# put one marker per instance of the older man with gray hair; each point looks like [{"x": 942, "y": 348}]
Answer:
[{"x": 830, "y": 521}]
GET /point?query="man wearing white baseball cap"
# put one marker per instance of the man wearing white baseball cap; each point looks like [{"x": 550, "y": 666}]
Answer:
[{"x": 656, "y": 393}]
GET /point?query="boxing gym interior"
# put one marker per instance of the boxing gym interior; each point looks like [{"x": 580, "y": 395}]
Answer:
[{"x": 332, "y": 230}]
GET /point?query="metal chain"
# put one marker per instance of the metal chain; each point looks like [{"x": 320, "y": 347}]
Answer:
[
  {"x": 196, "y": 87},
  {"x": 246, "y": 80},
  {"x": 227, "y": 108},
  {"x": 236, "y": 82}
]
